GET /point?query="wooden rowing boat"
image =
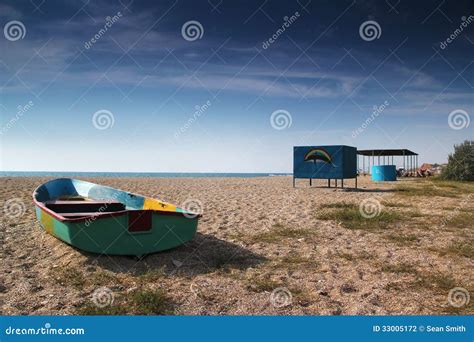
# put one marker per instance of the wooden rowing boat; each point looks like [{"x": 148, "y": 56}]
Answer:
[{"x": 101, "y": 219}]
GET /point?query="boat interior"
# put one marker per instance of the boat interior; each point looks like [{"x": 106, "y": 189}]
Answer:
[{"x": 77, "y": 206}]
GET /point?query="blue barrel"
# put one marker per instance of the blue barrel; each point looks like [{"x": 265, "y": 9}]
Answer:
[{"x": 381, "y": 173}]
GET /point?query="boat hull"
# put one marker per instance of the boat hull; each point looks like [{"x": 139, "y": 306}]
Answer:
[
  {"x": 110, "y": 235},
  {"x": 129, "y": 232}
]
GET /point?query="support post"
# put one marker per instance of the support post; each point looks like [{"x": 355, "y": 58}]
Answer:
[
  {"x": 409, "y": 165},
  {"x": 335, "y": 182},
  {"x": 357, "y": 162},
  {"x": 356, "y": 181},
  {"x": 373, "y": 161},
  {"x": 404, "y": 166},
  {"x": 329, "y": 182},
  {"x": 342, "y": 183},
  {"x": 293, "y": 181},
  {"x": 310, "y": 182}
]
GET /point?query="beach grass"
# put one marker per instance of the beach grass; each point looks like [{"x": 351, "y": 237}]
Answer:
[
  {"x": 457, "y": 248},
  {"x": 262, "y": 284},
  {"x": 150, "y": 302},
  {"x": 350, "y": 217},
  {"x": 296, "y": 259},
  {"x": 137, "y": 302},
  {"x": 67, "y": 276},
  {"x": 338, "y": 205},
  {"x": 462, "y": 187},
  {"x": 392, "y": 204},
  {"x": 435, "y": 187},
  {"x": 402, "y": 239},
  {"x": 465, "y": 249},
  {"x": 403, "y": 267},
  {"x": 278, "y": 232},
  {"x": 151, "y": 275},
  {"x": 102, "y": 278},
  {"x": 461, "y": 219},
  {"x": 90, "y": 309},
  {"x": 426, "y": 190},
  {"x": 434, "y": 281}
]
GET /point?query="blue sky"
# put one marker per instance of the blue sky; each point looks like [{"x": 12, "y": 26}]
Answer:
[{"x": 143, "y": 76}]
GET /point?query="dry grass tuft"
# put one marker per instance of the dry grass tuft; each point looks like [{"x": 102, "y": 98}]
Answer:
[
  {"x": 402, "y": 239},
  {"x": 350, "y": 217},
  {"x": 137, "y": 302}
]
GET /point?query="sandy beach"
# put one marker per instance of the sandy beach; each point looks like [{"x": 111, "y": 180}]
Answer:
[{"x": 262, "y": 248}]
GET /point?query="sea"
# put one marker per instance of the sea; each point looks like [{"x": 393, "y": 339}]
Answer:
[{"x": 135, "y": 174}]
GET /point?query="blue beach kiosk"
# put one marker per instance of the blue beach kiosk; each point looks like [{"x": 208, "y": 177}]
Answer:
[{"x": 325, "y": 162}]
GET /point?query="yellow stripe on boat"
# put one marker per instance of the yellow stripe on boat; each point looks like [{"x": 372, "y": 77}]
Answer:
[
  {"x": 153, "y": 204},
  {"x": 47, "y": 222}
]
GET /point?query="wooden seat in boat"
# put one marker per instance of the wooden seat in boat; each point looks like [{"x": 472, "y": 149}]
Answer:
[
  {"x": 76, "y": 215},
  {"x": 60, "y": 206}
]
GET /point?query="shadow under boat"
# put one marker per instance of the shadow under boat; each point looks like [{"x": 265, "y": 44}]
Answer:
[{"x": 204, "y": 254}]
